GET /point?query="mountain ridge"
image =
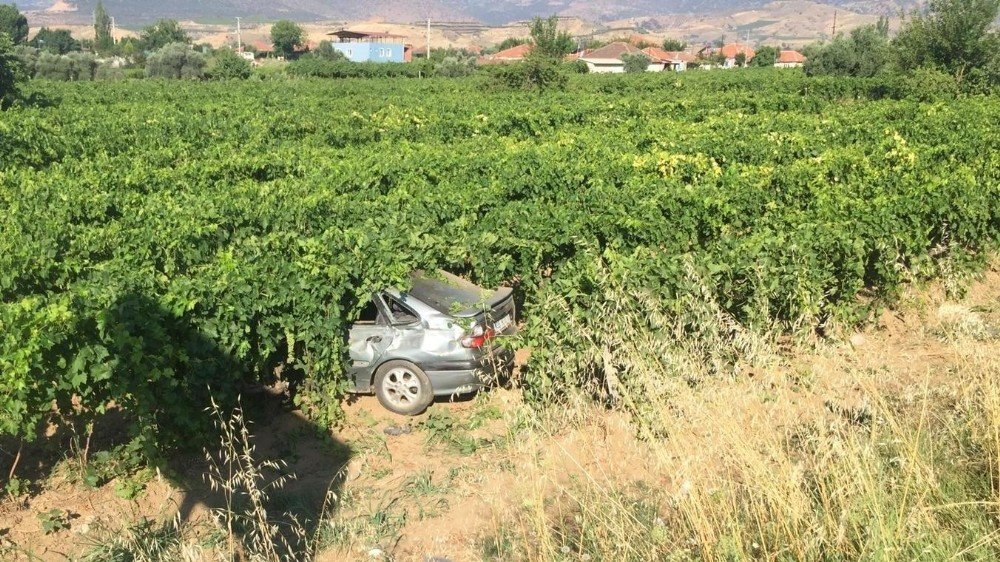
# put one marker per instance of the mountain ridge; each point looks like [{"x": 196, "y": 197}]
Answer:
[{"x": 490, "y": 12}]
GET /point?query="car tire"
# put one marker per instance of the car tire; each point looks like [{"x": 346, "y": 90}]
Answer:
[{"x": 403, "y": 388}]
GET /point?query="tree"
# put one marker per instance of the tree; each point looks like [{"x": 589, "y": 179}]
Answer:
[
  {"x": 286, "y": 36},
  {"x": 103, "y": 41},
  {"x": 674, "y": 45},
  {"x": 548, "y": 40},
  {"x": 11, "y": 71},
  {"x": 231, "y": 66},
  {"x": 540, "y": 69},
  {"x": 129, "y": 48},
  {"x": 836, "y": 58},
  {"x": 864, "y": 53},
  {"x": 812, "y": 49},
  {"x": 58, "y": 41},
  {"x": 766, "y": 56},
  {"x": 871, "y": 44},
  {"x": 951, "y": 35},
  {"x": 28, "y": 58},
  {"x": 635, "y": 62},
  {"x": 175, "y": 60},
  {"x": 13, "y": 23},
  {"x": 740, "y": 59},
  {"x": 511, "y": 42},
  {"x": 325, "y": 51},
  {"x": 161, "y": 34}
]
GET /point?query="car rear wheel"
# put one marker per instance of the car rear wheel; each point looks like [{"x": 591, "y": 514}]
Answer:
[{"x": 403, "y": 388}]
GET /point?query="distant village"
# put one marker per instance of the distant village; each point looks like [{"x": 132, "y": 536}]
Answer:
[
  {"x": 611, "y": 58},
  {"x": 376, "y": 46}
]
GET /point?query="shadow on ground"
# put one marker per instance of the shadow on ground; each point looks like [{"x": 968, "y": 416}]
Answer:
[{"x": 165, "y": 375}]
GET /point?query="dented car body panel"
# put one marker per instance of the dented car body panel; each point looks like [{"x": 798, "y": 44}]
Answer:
[{"x": 427, "y": 326}]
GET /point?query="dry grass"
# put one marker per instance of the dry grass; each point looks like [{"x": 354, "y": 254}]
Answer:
[{"x": 876, "y": 453}]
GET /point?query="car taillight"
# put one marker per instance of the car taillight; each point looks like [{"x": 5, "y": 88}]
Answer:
[{"x": 478, "y": 337}]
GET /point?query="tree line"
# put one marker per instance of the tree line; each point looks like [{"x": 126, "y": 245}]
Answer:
[
  {"x": 949, "y": 42},
  {"x": 948, "y": 37}
]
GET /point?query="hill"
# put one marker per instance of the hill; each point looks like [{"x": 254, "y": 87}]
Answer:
[
  {"x": 131, "y": 12},
  {"x": 791, "y": 22}
]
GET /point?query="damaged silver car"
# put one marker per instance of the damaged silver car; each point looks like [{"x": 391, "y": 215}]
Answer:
[{"x": 436, "y": 339}]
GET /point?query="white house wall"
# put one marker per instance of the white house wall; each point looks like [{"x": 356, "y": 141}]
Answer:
[{"x": 605, "y": 68}]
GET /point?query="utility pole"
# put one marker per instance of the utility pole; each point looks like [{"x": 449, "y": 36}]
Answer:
[
  {"x": 428, "y": 38},
  {"x": 834, "y": 34},
  {"x": 239, "y": 37},
  {"x": 113, "y": 29}
]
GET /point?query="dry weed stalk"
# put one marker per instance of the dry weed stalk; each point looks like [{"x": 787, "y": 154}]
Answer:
[{"x": 245, "y": 483}]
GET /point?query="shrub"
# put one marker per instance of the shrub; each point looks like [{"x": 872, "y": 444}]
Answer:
[
  {"x": 53, "y": 67},
  {"x": 325, "y": 51},
  {"x": 175, "y": 60},
  {"x": 108, "y": 72},
  {"x": 454, "y": 67},
  {"x": 635, "y": 63},
  {"x": 535, "y": 73},
  {"x": 579, "y": 67},
  {"x": 231, "y": 66},
  {"x": 82, "y": 66},
  {"x": 929, "y": 84}
]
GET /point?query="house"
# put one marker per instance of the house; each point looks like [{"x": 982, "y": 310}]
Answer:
[
  {"x": 789, "y": 59},
  {"x": 660, "y": 60},
  {"x": 609, "y": 57},
  {"x": 369, "y": 46},
  {"x": 262, "y": 49},
  {"x": 732, "y": 50},
  {"x": 516, "y": 53}
]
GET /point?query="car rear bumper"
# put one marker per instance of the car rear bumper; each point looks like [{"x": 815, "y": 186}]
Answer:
[{"x": 449, "y": 378}]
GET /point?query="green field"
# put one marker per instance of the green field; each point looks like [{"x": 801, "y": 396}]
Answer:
[
  {"x": 693, "y": 256},
  {"x": 160, "y": 239}
]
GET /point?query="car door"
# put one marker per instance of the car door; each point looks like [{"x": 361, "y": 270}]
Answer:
[{"x": 370, "y": 336}]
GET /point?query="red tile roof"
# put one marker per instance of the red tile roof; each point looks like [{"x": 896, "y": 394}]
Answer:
[
  {"x": 731, "y": 50},
  {"x": 611, "y": 51},
  {"x": 658, "y": 54},
  {"x": 514, "y": 53},
  {"x": 791, "y": 57}
]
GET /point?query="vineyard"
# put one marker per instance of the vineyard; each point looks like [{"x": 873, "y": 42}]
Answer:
[{"x": 164, "y": 243}]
